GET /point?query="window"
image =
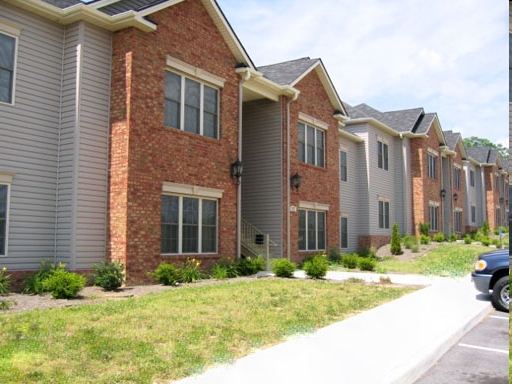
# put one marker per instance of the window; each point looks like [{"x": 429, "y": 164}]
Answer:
[
  {"x": 497, "y": 217},
  {"x": 383, "y": 154},
  {"x": 4, "y": 189},
  {"x": 191, "y": 106},
  {"x": 311, "y": 145},
  {"x": 344, "y": 233},
  {"x": 472, "y": 178},
  {"x": 458, "y": 221},
  {"x": 433, "y": 212},
  {"x": 7, "y": 66},
  {"x": 432, "y": 166},
  {"x": 456, "y": 178},
  {"x": 311, "y": 230},
  {"x": 343, "y": 166},
  {"x": 383, "y": 214},
  {"x": 473, "y": 214},
  {"x": 189, "y": 225}
]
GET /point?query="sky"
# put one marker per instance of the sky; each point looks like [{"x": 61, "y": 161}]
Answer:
[{"x": 448, "y": 57}]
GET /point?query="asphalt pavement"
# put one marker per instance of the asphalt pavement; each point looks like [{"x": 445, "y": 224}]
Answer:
[{"x": 393, "y": 343}]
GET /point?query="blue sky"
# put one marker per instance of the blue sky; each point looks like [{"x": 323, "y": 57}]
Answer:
[{"x": 449, "y": 57}]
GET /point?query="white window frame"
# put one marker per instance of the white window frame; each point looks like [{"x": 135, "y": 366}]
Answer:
[
  {"x": 384, "y": 203},
  {"x": 473, "y": 213},
  {"x": 316, "y": 208},
  {"x": 344, "y": 218},
  {"x": 432, "y": 165},
  {"x": 382, "y": 154},
  {"x": 457, "y": 219},
  {"x": 344, "y": 175},
  {"x": 13, "y": 30},
  {"x": 6, "y": 179},
  {"x": 433, "y": 219},
  {"x": 472, "y": 178},
  {"x": 317, "y": 127},
  {"x": 457, "y": 172}
]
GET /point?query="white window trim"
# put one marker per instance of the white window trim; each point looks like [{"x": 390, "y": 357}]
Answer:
[
  {"x": 13, "y": 30},
  {"x": 434, "y": 203},
  {"x": 316, "y": 128},
  {"x": 433, "y": 152},
  {"x": 196, "y": 73},
  {"x": 6, "y": 179},
  {"x": 191, "y": 190},
  {"x": 313, "y": 206},
  {"x": 316, "y": 229},
  {"x": 313, "y": 122}
]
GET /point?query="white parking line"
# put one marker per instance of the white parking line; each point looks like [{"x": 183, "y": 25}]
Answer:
[
  {"x": 484, "y": 348},
  {"x": 499, "y": 317}
]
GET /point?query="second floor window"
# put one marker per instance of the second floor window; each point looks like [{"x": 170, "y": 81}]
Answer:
[
  {"x": 472, "y": 178},
  {"x": 343, "y": 166},
  {"x": 456, "y": 178},
  {"x": 311, "y": 145},
  {"x": 432, "y": 166},
  {"x": 383, "y": 155},
  {"x": 191, "y": 106},
  {"x": 7, "y": 55}
]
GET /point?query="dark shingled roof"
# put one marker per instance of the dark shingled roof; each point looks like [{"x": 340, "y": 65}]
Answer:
[
  {"x": 128, "y": 5},
  {"x": 452, "y": 138},
  {"x": 62, "y": 3},
  {"x": 484, "y": 155},
  {"x": 286, "y": 73},
  {"x": 407, "y": 120},
  {"x": 363, "y": 110}
]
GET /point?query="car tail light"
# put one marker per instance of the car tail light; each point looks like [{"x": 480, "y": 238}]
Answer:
[{"x": 480, "y": 265}]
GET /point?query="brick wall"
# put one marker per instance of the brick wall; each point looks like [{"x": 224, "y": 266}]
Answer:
[
  {"x": 319, "y": 185},
  {"x": 145, "y": 153}
]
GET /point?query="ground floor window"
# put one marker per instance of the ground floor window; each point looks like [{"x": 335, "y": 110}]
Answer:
[
  {"x": 344, "y": 233},
  {"x": 473, "y": 214},
  {"x": 189, "y": 225},
  {"x": 383, "y": 214},
  {"x": 3, "y": 218},
  {"x": 458, "y": 221},
  {"x": 311, "y": 230},
  {"x": 433, "y": 212}
]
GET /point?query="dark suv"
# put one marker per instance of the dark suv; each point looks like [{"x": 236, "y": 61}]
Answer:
[{"x": 491, "y": 273}]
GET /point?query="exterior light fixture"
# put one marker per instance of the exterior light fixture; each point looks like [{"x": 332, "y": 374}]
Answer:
[
  {"x": 443, "y": 193},
  {"x": 455, "y": 196},
  {"x": 296, "y": 181},
  {"x": 237, "y": 169},
  {"x": 502, "y": 200}
]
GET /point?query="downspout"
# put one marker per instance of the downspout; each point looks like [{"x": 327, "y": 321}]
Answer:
[
  {"x": 288, "y": 177},
  {"x": 246, "y": 76}
]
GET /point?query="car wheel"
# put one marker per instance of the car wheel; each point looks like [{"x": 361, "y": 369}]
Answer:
[{"x": 499, "y": 297}]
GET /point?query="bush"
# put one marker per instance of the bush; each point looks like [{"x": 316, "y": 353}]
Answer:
[
  {"x": 34, "y": 283},
  {"x": 367, "y": 264},
  {"x": 248, "y": 266},
  {"x": 283, "y": 268},
  {"x": 225, "y": 269},
  {"x": 468, "y": 239},
  {"x": 190, "y": 272},
  {"x": 452, "y": 238},
  {"x": 316, "y": 268},
  {"x": 396, "y": 246},
  {"x": 485, "y": 229},
  {"x": 365, "y": 252},
  {"x": 64, "y": 284},
  {"x": 350, "y": 260},
  {"x": 439, "y": 237},
  {"x": 5, "y": 281},
  {"x": 485, "y": 241},
  {"x": 424, "y": 229},
  {"x": 219, "y": 272},
  {"x": 166, "y": 274},
  {"x": 109, "y": 276},
  {"x": 334, "y": 255},
  {"x": 424, "y": 239},
  {"x": 410, "y": 241}
]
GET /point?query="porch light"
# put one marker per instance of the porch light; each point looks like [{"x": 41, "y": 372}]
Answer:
[
  {"x": 296, "y": 181},
  {"x": 443, "y": 193},
  {"x": 237, "y": 169},
  {"x": 455, "y": 196}
]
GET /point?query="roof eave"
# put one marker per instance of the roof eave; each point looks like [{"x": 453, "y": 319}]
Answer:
[
  {"x": 374, "y": 122},
  {"x": 256, "y": 82}
]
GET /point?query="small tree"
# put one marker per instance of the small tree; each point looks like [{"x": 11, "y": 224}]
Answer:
[
  {"x": 424, "y": 229},
  {"x": 485, "y": 228},
  {"x": 396, "y": 246}
]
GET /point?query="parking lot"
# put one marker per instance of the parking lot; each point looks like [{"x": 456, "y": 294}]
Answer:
[{"x": 481, "y": 356}]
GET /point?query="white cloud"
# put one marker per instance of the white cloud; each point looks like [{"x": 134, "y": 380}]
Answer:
[{"x": 446, "y": 56}]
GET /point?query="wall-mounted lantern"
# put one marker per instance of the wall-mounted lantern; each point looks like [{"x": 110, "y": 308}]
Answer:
[
  {"x": 296, "y": 181},
  {"x": 455, "y": 196},
  {"x": 237, "y": 169},
  {"x": 443, "y": 193}
]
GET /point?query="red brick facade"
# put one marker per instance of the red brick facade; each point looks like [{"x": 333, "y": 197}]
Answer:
[
  {"x": 145, "y": 153},
  {"x": 319, "y": 185}
]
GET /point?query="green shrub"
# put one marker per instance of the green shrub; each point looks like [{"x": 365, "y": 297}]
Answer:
[
  {"x": 34, "y": 283},
  {"x": 485, "y": 229},
  {"x": 316, "y": 268},
  {"x": 424, "y": 229},
  {"x": 109, "y": 276},
  {"x": 365, "y": 252},
  {"x": 248, "y": 266},
  {"x": 350, "y": 260},
  {"x": 166, "y": 274},
  {"x": 452, "y": 238},
  {"x": 219, "y": 272},
  {"x": 283, "y": 268},
  {"x": 190, "y": 272},
  {"x": 225, "y": 267},
  {"x": 439, "y": 237},
  {"x": 409, "y": 241},
  {"x": 367, "y": 264},
  {"x": 63, "y": 284},
  {"x": 415, "y": 248},
  {"x": 334, "y": 255},
  {"x": 5, "y": 281},
  {"x": 424, "y": 239},
  {"x": 485, "y": 240},
  {"x": 6, "y": 303},
  {"x": 396, "y": 246},
  {"x": 467, "y": 239}
]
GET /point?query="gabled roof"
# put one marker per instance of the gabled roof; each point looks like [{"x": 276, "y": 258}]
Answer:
[
  {"x": 407, "y": 120},
  {"x": 289, "y": 73},
  {"x": 453, "y": 141},
  {"x": 364, "y": 110},
  {"x": 485, "y": 155}
]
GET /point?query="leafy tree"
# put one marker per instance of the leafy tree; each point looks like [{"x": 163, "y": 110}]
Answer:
[
  {"x": 396, "y": 246},
  {"x": 475, "y": 141}
]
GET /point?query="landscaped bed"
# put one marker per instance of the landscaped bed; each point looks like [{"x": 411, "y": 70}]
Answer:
[{"x": 174, "y": 333}]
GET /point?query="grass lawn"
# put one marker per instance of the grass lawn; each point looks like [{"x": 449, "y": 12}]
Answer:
[
  {"x": 174, "y": 334},
  {"x": 453, "y": 260}
]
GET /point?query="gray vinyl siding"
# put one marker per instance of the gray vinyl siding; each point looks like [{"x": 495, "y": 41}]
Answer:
[
  {"x": 351, "y": 192},
  {"x": 84, "y": 146},
  {"x": 447, "y": 203},
  {"x": 262, "y": 187},
  {"x": 29, "y": 140},
  {"x": 403, "y": 183},
  {"x": 475, "y": 196}
]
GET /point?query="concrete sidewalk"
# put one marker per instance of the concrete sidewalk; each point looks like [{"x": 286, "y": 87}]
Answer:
[{"x": 393, "y": 343}]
